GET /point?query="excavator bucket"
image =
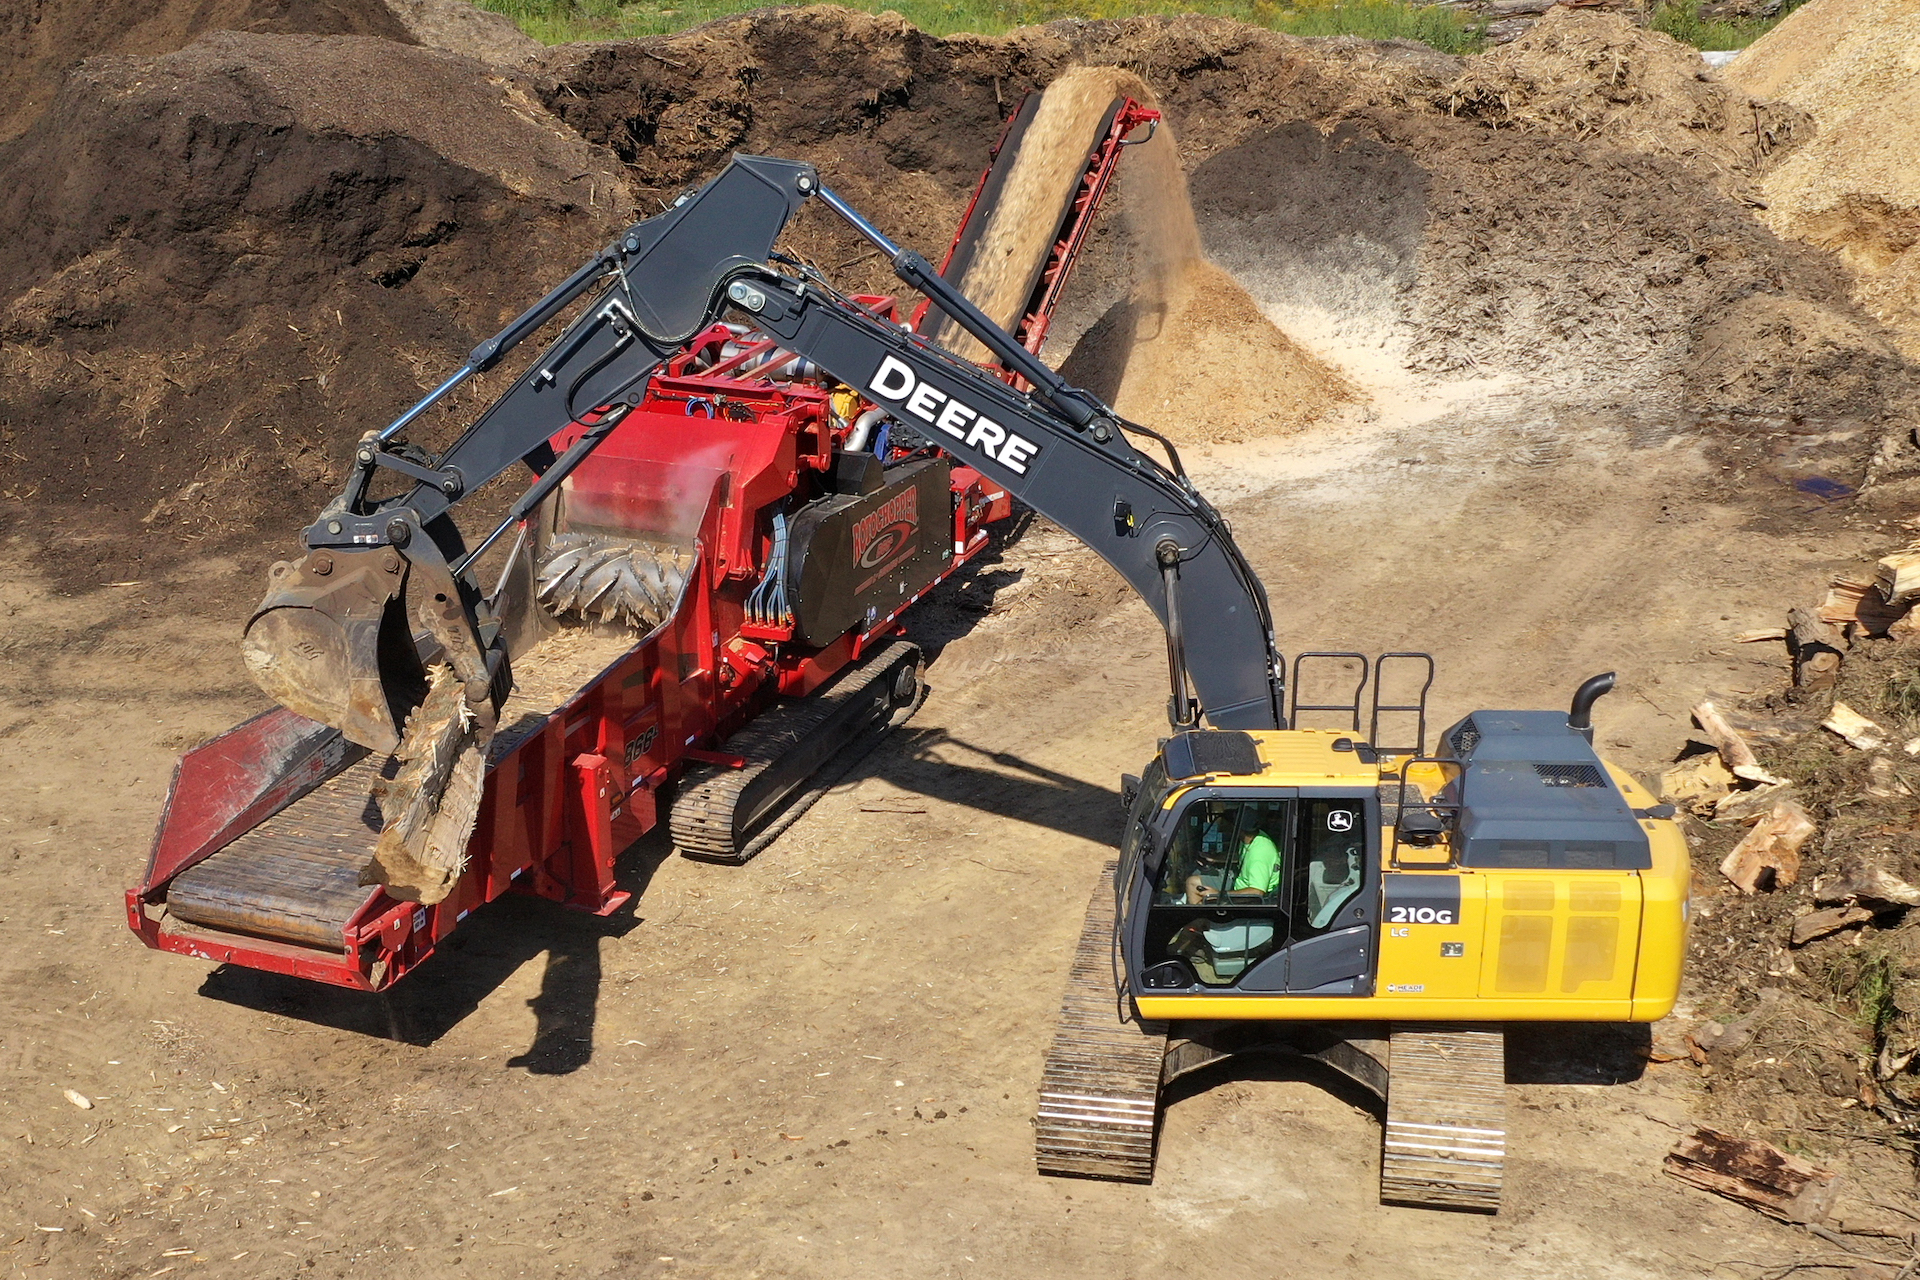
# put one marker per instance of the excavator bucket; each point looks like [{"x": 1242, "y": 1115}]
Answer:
[{"x": 331, "y": 642}]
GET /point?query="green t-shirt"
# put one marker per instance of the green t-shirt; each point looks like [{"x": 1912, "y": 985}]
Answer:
[{"x": 1259, "y": 865}]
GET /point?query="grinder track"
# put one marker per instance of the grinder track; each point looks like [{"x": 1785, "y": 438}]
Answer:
[{"x": 793, "y": 753}]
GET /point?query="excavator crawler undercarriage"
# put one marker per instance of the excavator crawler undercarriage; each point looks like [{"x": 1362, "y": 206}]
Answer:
[{"x": 1443, "y": 1085}]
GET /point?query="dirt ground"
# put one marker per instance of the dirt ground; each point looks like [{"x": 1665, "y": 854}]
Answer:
[
  {"x": 1588, "y": 383},
  {"x": 823, "y": 1064}
]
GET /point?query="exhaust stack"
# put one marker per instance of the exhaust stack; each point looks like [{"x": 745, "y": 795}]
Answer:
[{"x": 1580, "y": 715}]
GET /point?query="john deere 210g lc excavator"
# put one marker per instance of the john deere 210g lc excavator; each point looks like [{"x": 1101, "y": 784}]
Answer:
[{"x": 1319, "y": 891}]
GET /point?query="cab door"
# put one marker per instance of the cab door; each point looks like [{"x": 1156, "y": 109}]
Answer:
[
  {"x": 1333, "y": 885},
  {"x": 1271, "y": 892},
  {"x": 1219, "y": 905}
]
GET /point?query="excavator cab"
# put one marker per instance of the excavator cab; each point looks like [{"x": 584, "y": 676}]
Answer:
[
  {"x": 1255, "y": 888},
  {"x": 1304, "y": 873}
]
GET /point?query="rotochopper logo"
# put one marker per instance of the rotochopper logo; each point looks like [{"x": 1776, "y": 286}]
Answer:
[{"x": 885, "y": 530}]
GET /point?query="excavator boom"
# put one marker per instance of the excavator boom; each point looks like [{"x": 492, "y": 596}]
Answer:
[{"x": 332, "y": 641}]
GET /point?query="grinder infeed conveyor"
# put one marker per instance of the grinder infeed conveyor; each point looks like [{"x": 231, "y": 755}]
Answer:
[{"x": 296, "y": 877}]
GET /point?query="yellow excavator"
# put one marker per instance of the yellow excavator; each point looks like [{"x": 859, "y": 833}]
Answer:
[{"x": 1319, "y": 893}]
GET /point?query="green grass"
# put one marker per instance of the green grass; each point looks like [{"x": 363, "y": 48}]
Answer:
[
  {"x": 1903, "y": 692},
  {"x": 558, "y": 21},
  {"x": 1868, "y": 979},
  {"x": 1681, "y": 19}
]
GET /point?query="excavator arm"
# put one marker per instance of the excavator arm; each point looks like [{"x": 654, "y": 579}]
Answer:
[
  {"x": 332, "y": 639},
  {"x": 1144, "y": 519}
]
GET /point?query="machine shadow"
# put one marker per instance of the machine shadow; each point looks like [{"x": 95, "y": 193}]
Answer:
[
  {"x": 488, "y": 948},
  {"x": 1275, "y": 1066},
  {"x": 1577, "y": 1052},
  {"x": 1016, "y": 788},
  {"x": 955, "y": 607}
]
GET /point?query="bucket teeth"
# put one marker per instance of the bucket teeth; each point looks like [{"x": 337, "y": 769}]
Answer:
[{"x": 611, "y": 580}]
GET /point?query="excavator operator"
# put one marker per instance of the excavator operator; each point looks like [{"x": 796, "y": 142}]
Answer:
[{"x": 1256, "y": 872}]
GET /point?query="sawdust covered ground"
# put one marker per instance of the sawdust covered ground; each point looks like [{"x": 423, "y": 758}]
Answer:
[
  {"x": 1188, "y": 353},
  {"x": 823, "y": 1064},
  {"x": 1854, "y": 67}
]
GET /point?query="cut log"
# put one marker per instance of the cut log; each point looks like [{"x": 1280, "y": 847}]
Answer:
[
  {"x": 1754, "y": 1173},
  {"x": 1854, "y": 600},
  {"x": 1768, "y": 857},
  {"x": 1733, "y": 748},
  {"x": 1819, "y": 924},
  {"x": 1776, "y": 730},
  {"x": 1815, "y": 646},
  {"x": 1883, "y": 780},
  {"x": 1725, "y": 1044},
  {"x": 1898, "y": 577},
  {"x": 430, "y": 807},
  {"x": 1865, "y": 884},
  {"x": 1696, "y": 782},
  {"x": 1746, "y": 806},
  {"x": 1859, "y": 732}
]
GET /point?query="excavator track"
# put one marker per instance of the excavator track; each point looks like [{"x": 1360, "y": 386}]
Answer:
[
  {"x": 1100, "y": 1091},
  {"x": 1446, "y": 1134},
  {"x": 794, "y": 753}
]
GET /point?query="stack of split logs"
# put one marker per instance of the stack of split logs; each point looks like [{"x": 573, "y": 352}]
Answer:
[{"x": 1725, "y": 780}]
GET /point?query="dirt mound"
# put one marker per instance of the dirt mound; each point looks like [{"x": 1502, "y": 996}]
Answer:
[
  {"x": 228, "y": 262},
  {"x": 459, "y": 27},
  {"x": 1189, "y": 353},
  {"x": 1194, "y": 358},
  {"x": 405, "y": 198},
  {"x": 1598, "y": 76},
  {"x": 1831, "y": 57},
  {"x": 1186, "y": 325},
  {"x": 1854, "y": 65},
  {"x": 1459, "y": 244},
  {"x": 1856, "y": 190},
  {"x": 1772, "y": 362},
  {"x": 41, "y": 40}
]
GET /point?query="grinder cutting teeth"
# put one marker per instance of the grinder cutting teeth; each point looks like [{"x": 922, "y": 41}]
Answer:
[{"x": 612, "y": 579}]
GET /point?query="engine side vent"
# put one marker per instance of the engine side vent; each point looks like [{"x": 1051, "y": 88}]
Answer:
[
  {"x": 1464, "y": 738},
  {"x": 1570, "y": 775},
  {"x": 1522, "y": 853}
]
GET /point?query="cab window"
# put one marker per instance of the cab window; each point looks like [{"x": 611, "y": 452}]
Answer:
[
  {"x": 1217, "y": 902},
  {"x": 1135, "y": 838},
  {"x": 1331, "y": 843}
]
